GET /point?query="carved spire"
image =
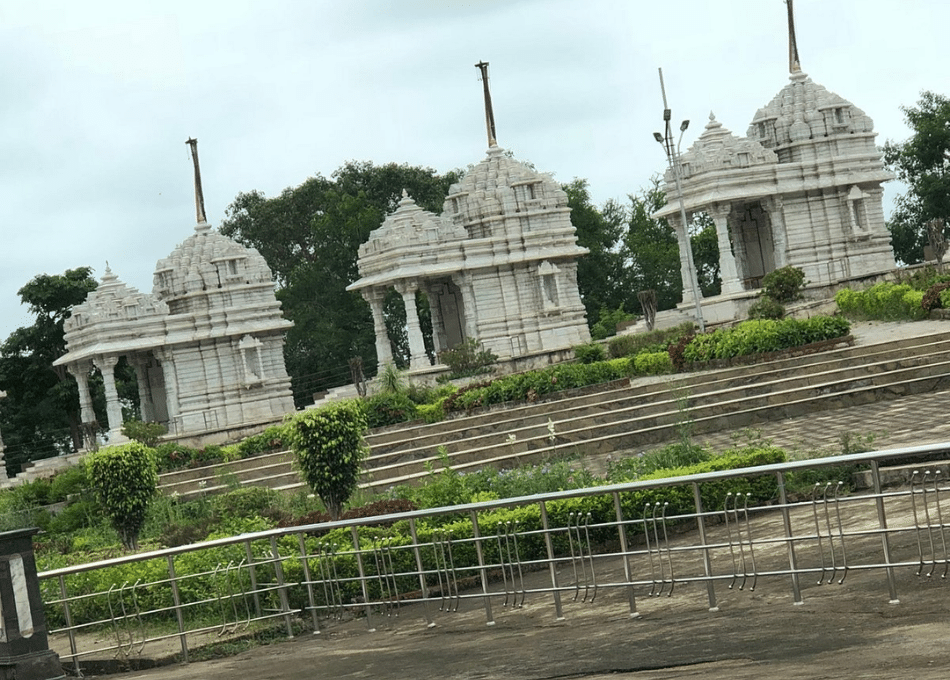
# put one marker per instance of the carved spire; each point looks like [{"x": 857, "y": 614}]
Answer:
[
  {"x": 199, "y": 196},
  {"x": 794, "y": 65},
  {"x": 489, "y": 115}
]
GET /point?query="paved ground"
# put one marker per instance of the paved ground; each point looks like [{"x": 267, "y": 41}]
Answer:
[{"x": 846, "y": 631}]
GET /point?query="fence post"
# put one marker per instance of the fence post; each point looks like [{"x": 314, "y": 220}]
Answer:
[
  {"x": 253, "y": 576},
  {"x": 423, "y": 586},
  {"x": 885, "y": 541},
  {"x": 482, "y": 570},
  {"x": 359, "y": 563},
  {"x": 626, "y": 557},
  {"x": 787, "y": 521},
  {"x": 559, "y": 614},
  {"x": 707, "y": 561},
  {"x": 304, "y": 558},
  {"x": 69, "y": 626},
  {"x": 281, "y": 587},
  {"x": 176, "y": 598}
]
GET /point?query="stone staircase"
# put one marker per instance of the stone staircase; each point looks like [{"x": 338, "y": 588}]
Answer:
[{"x": 621, "y": 416}]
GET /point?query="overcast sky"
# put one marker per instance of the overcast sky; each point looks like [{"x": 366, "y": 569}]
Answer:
[{"x": 98, "y": 98}]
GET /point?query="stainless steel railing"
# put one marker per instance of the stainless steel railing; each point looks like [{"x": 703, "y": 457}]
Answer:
[{"x": 336, "y": 570}]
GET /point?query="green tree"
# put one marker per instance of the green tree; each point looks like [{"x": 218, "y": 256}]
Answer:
[
  {"x": 124, "y": 479},
  {"x": 310, "y": 236},
  {"x": 40, "y": 416},
  {"x": 706, "y": 254},
  {"x": 600, "y": 274},
  {"x": 329, "y": 450},
  {"x": 923, "y": 164},
  {"x": 652, "y": 254}
]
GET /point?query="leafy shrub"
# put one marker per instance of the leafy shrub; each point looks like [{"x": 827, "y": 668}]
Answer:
[
  {"x": 653, "y": 341},
  {"x": 124, "y": 480},
  {"x": 533, "y": 384},
  {"x": 146, "y": 433},
  {"x": 765, "y": 335},
  {"x": 766, "y": 308},
  {"x": 669, "y": 457},
  {"x": 652, "y": 363},
  {"x": 784, "y": 285},
  {"x": 887, "y": 301},
  {"x": 388, "y": 408},
  {"x": 329, "y": 449},
  {"x": 467, "y": 359},
  {"x": 608, "y": 321},
  {"x": 271, "y": 439},
  {"x": 590, "y": 353},
  {"x": 933, "y": 298},
  {"x": 69, "y": 482}
]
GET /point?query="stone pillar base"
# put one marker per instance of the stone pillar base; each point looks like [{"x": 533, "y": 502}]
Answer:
[{"x": 43, "y": 665}]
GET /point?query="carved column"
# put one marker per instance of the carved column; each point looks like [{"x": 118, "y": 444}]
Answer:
[
  {"x": 435, "y": 311},
  {"x": 417, "y": 348},
  {"x": 384, "y": 352},
  {"x": 684, "y": 245},
  {"x": 728, "y": 271},
  {"x": 145, "y": 395},
  {"x": 106, "y": 366},
  {"x": 170, "y": 378},
  {"x": 776, "y": 207},
  {"x": 80, "y": 371}
]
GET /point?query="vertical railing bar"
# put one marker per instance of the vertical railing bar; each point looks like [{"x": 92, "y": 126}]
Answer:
[
  {"x": 882, "y": 523},
  {"x": 482, "y": 570},
  {"x": 552, "y": 569},
  {"x": 363, "y": 585},
  {"x": 252, "y": 573},
  {"x": 423, "y": 586},
  {"x": 282, "y": 587},
  {"x": 69, "y": 626},
  {"x": 789, "y": 537},
  {"x": 176, "y": 598},
  {"x": 305, "y": 560},
  {"x": 624, "y": 549},
  {"x": 707, "y": 559}
]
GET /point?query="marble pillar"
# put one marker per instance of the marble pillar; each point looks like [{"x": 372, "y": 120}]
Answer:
[
  {"x": 417, "y": 349},
  {"x": 106, "y": 366},
  {"x": 728, "y": 271}
]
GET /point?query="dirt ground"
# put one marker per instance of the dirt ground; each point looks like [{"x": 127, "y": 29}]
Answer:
[{"x": 841, "y": 631}]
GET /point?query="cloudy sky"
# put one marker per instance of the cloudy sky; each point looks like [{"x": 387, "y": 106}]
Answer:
[{"x": 98, "y": 98}]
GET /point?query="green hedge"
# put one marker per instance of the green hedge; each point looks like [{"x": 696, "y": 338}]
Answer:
[
  {"x": 886, "y": 301},
  {"x": 763, "y": 335}
]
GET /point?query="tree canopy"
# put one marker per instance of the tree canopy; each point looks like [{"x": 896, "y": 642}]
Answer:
[
  {"x": 40, "y": 416},
  {"x": 923, "y": 163}
]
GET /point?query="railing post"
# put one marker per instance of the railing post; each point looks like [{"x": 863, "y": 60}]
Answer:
[
  {"x": 423, "y": 586},
  {"x": 707, "y": 561},
  {"x": 253, "y": 577},
  {"x": 482, "y": 570},
  {"x": 304, "y": 558},
  {"x": 885, "y": 541},
  {"x": 559, "y": 614},
  {"x": 359, "y": 564},
  {"x": 176, "y": 598},
  {"x": 69, "y": 626},
  {"x": 626, "y": 556},
  {"x": 282, "y": 587},
  {"x": 787, "y": 521}
]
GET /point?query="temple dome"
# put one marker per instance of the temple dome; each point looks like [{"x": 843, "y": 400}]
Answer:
[
  {"x": 804, "y": 110},
  {"x": 208, "y": 260}
]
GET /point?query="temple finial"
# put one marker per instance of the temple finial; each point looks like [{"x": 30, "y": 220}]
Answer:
[
  {"x": 489, "y": 115},
  {"x": 794, "y": 65},
  {"x": 199, "y": 196}
]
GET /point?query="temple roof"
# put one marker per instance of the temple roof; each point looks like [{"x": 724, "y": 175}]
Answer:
[
  {"x": 114, "y": 301},
  {"x": 718, "y": 149}
]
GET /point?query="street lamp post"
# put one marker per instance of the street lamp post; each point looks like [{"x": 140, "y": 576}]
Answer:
[{"x": 673, "y": 156}]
